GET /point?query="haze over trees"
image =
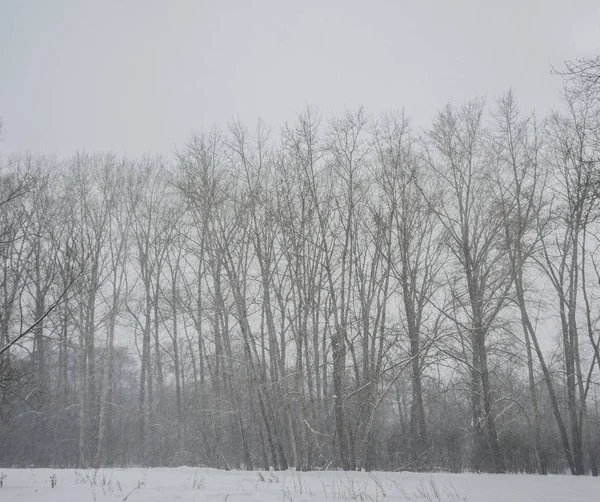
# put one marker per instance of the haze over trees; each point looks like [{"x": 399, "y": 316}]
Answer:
[{"x": 346, "y": 292}]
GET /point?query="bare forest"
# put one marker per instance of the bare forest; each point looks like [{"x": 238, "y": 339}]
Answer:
[{"x": 351, "y": 291}]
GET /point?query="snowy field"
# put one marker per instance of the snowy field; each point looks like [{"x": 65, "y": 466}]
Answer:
[{"x": 194, "y": 484}]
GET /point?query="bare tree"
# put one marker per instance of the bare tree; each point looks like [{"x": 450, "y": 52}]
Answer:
[
  {"x": 482, "y": 280},
  {"x": 112, "y": 192},
  {"x": 573, "y": 156},
  {"x": 299, "y": 229},
  {"x": 414, "y": 254},
  {"x": 521, "y": 182},
  {"x": 583, "y": 75},
  {"x": 150, "y": 232}
]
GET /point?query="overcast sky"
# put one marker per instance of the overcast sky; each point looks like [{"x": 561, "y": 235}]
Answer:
[{"x": 137, "y": 77}]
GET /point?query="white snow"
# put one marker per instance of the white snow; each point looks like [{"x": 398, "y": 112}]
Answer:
[{"x": 211, "y": 485}]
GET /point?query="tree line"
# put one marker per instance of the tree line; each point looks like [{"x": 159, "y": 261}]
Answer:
[{"x": 349, "y": 293}]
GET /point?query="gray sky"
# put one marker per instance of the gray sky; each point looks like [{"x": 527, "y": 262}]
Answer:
[{"x": 136, "y": 77}]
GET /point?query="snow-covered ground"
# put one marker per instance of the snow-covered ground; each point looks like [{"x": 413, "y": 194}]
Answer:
[{"x": 194, "y": 484}]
